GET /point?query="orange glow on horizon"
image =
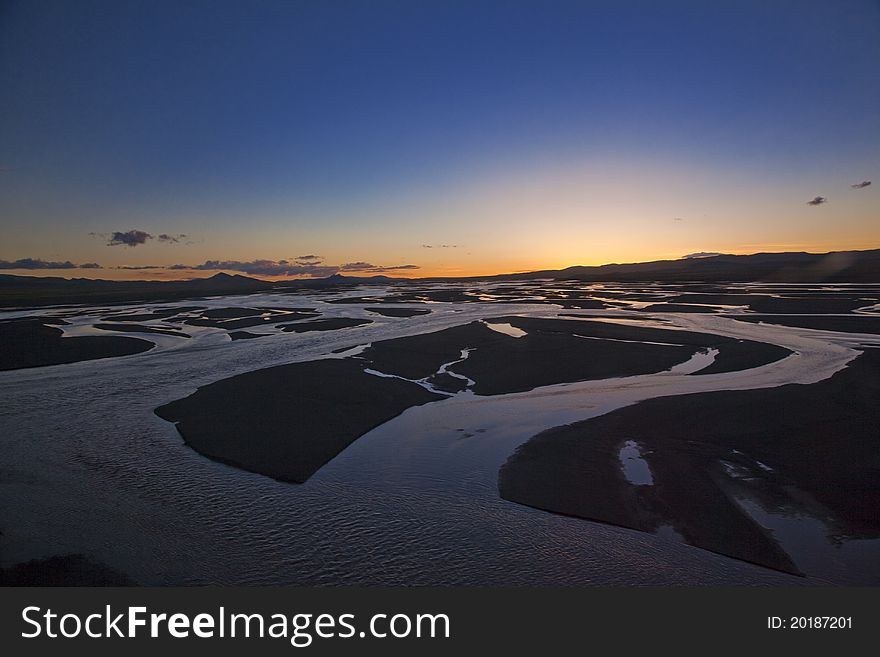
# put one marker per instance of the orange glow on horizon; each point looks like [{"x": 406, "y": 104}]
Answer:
[{"x": 459, "y": 269}]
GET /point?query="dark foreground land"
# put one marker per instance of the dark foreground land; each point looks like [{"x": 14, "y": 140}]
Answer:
[
  {"x": 288, "y": 421},
  {"x": 813, "y": 448},
  {"x": 33, "y": 343},
  {"x": 843, "y": 323},
  {"x": 63, "y": 570},
  {"x": 808, "y": 450}
]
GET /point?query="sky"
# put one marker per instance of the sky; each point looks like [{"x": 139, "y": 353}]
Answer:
[{"x": 172, "y": 139}]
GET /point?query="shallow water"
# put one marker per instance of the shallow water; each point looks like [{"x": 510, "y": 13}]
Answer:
[
  {"x": 506, "y": 329},
  {"x": 635, "y": 468},
  {"x": 88, "y": 468}
]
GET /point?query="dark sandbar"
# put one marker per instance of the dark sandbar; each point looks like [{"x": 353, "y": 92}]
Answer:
[
  {"x": 398, "y": 312},
  {"x": 30, "y": 343},
  {"x": 550, "y": 353},
  {"x": 820, "y": 442},
  {"x": 677, "y": 308},
  {"x": 804, "y": 303},
  {"x": 324, "y": 324},
  {"x": 844, "y": 324},
  {"x": 138, "y": 328},
  {"x": 256, "y": 318},
  {"x": 63, "y": 570},
  {"x": 245, "y": 335},
  {"x": 733, "y": 354},
  {"x": 160, "y": 313},
  {"x": 288, "y": 421}
]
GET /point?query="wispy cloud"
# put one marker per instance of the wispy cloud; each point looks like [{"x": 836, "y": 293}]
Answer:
[
  {"x": 308, "y": 265},
  {"x": 139, "y": 267},
  {"x": 36, "y": 263},
  {"x": 302, "y": 266},
  {"x": 367, "y": 267},
  {"x": 137, "y": 237},
  {"x": 861, "y": 185},
  {"x": 701, "y": 254},
  {"x": 130, "y": 238},
  {"x": 817, "y": 200},
  {"x": 263, "y": 267},
  {"x": 440, "y": 246},
  {"x": 172, "y": 239}
]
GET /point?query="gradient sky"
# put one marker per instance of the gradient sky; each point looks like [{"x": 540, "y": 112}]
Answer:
[{"x": 521, "y": 135}]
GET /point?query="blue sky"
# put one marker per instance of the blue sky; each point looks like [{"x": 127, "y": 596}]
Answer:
[{"x": 527, "y": 134}]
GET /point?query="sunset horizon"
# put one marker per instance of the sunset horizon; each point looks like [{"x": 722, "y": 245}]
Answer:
[
  {"x": 318, "y": 268},
  {"x": 451, "y": 140},
  {"x": 441, "y": 322}
]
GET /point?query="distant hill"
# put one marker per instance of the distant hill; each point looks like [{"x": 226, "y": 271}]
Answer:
[
  {"x": 795, "y": 267},
  {"x": 53, "y": 290},
  {"x": 835, "y": 267}
]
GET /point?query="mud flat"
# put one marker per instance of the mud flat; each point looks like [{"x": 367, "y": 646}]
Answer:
[
  {"x": 555, "y": 351},
  {"x": 139, "y": 328},
  {"x": 760, "y": 303},
  {"x": 245, "y": 335},
  {"x": 811, "y": 449},
  {"x": 398, "y": 312},
  {"x": 841, "y": 323},
  {"x": 288, "y": 421},
  {"x": 331, "y": 324},
  {"x": 733, "y": 354},
  {"x": 678, "y": 308},
  {"x": 31, "y": 343},
  {"x": 159, "y": 313},
  {"x": 240, "y": 318},
  {"x": 63, "y": 570}
]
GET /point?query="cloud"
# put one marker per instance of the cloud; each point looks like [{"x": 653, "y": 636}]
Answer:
[
  {"x": 371, "y": 268},
  {"x": 129, "y": 238},
  {"x": 263, "y": 267},
  {"x": 36, "y": 263},
  {"x": 440, "y": 246},
  {"x": 140, "y": 267},
  {"x": 861, "y": 185},
  {"x": 309, "y": 260},
  {"x": 172, "y": 239},
  {"x": 817, "y": 200},
  {"x": 700, "y": 254},
  {"x": 308, "y": 265},
  {"x": 301, "y": 266},
  {"x": 677, "y": 219},
  {"x": 138, "y": 237},
  {"x": 356, "y": 266}
]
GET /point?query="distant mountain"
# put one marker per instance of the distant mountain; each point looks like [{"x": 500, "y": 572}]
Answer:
[
  {"x": 796, "y": 267},
  {"x": 229, "y": 281},
  {"x": 53, "y": 290},
  {"x": 835, "y": 267},
  {"x": 338, "y": 280}
]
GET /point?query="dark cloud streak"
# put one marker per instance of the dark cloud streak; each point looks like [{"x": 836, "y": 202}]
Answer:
[
  {"x": 36, "y": 263},
  {"x": 171, "y": 239},
  {"x": 130, "y": 238}
]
